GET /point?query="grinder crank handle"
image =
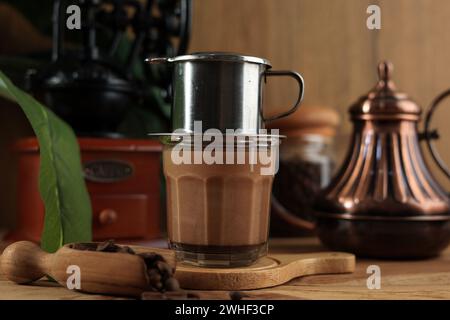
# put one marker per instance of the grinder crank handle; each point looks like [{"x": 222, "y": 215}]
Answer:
[{"x": 24, "y": 262}]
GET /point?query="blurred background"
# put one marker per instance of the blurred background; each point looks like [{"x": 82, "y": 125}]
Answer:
[{"x": 326, "y": 41}]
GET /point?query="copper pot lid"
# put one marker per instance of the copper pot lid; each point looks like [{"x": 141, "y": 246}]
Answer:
[{"x": 384, "y": 102}]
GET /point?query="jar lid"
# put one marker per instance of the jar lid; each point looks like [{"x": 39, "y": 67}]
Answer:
[
  {"x": 384, "y": 101},
  {"x": 317, "y": 120}
]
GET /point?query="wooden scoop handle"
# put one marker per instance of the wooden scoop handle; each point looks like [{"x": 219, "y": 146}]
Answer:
[{"x": 24, "y": 262}]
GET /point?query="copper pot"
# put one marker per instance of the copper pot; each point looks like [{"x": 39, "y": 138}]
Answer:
[{"x": 384, "y": 202}]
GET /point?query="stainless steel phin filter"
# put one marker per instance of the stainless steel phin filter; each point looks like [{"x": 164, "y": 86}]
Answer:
[{"x": 223, "y": 90}]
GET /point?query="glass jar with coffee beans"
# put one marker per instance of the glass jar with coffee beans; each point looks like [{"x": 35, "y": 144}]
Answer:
[{"x": 306, "y": 166}]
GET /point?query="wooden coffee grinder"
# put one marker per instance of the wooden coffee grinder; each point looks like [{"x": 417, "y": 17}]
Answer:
[{"x": 87, "y": 87}]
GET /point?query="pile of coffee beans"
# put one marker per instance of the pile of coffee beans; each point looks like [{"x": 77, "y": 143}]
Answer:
[
  {"x": 163, "y": 286},
  {"x": 162, "y": 283},
  {"x": 160, "y": 274},
  {"x": 296, "y": 187}
]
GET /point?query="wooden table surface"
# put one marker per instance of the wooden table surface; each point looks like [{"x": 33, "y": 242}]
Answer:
[{"x": 423, "y": 279}]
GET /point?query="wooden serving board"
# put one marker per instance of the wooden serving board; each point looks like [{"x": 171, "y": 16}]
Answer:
[{"x": 267, "y": 272}]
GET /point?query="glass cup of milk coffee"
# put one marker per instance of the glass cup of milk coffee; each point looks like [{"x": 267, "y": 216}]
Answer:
[{"x": 219, "y": 161}]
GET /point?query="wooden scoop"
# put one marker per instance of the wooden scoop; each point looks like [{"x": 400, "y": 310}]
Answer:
[{"x": 100, "y": 272}]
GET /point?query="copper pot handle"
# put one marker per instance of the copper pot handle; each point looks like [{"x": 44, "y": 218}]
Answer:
[
  {"x": 430, "y": 135},
  {"x": 290, "y": 218}
]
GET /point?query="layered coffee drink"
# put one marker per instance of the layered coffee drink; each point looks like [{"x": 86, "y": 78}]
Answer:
[{"x": 217, "y": 214}]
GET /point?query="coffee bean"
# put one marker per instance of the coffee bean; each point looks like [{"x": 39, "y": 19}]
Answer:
[
  {"x": 159, "y": 286},
  {"x": 84, "y": 246},
  {"x": 164, "y": 268},
  {"x": 149, "y": 295},
  {"x": 171, "y": 284},
  {"x": 176, "y": 295},
  {"x": 150, "y": 258},
  {"x": 125, "y": 249},
  {"x": 108, "y": 246},
  {"x": 154, "y": 277},
  {"x": 193, "y": 296},
  {"x": 237, "y": 295}
]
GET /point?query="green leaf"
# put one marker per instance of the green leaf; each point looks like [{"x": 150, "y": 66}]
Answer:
[{"x": 68, "y": 216}]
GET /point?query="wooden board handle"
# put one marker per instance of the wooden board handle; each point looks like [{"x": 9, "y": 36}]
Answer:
[
  {"x": 24, "y": 262},
  {"x": 268, "y": 272}
]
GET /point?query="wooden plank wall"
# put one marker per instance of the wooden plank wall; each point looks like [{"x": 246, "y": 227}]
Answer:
[{"x": 328, "y": 42}]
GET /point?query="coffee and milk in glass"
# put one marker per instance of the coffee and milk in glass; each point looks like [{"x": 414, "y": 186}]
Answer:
[{"x": 219, "y": 161}]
